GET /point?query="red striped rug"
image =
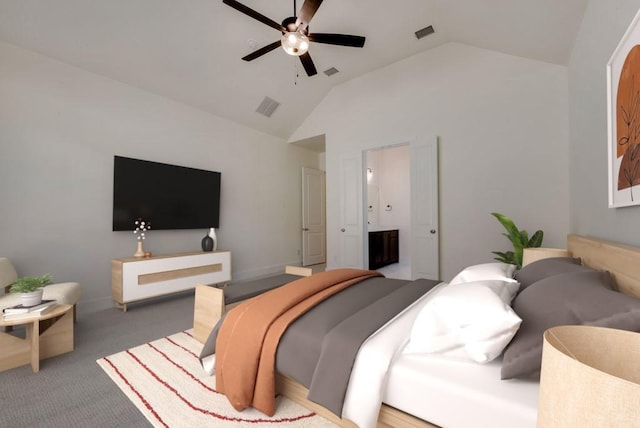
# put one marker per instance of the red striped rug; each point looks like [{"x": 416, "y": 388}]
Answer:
[{"x": 165, "y": 381}]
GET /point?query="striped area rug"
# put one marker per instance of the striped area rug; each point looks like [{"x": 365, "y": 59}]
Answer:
[{"x": 165, "y": 380}]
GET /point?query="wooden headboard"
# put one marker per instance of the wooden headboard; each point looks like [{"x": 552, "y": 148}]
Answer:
[{"x": 622, "y": 261}]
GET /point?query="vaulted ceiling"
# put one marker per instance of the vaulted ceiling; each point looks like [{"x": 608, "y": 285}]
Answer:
[{"x": 190, "y": 51}]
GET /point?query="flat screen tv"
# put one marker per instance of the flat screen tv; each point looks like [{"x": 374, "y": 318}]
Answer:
[{"x": 168, "y": 196}]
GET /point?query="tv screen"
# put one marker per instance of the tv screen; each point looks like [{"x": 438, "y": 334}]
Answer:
[{"x": 168, "y": 196}]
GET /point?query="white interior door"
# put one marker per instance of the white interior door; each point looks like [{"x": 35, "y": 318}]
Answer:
[
  {"x": 314, "y": 247},
  {"x": 351, "y": 218},
  {"x": 425, "y": 262}
]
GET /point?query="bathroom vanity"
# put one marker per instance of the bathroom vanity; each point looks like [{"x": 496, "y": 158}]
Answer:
[{"x": 383, "y": 246}]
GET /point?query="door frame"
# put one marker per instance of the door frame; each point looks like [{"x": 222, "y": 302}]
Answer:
[
  {"x": 365, "y": 193},
  {"x": 432, "y": 142}
]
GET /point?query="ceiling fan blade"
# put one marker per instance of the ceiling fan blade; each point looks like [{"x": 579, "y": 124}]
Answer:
[
  {"x": 337, "y": 39},
  {"x": 309, "y": 8},
  {"x": 308, "y": 65},
  {"x": 255, "y": 15},
  {"x": 266, "y": 49}
]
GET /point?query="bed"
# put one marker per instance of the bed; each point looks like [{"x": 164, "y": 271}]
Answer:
[{"x": 435, "y": 389}]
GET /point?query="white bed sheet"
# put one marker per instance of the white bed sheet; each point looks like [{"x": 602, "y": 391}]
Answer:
[
  {"x": 442, "y": 391},
  {"x": 370, "y": 369},
  {"x": 457, "y": 394}
]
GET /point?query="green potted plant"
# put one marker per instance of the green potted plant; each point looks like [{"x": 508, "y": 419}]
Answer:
[
  {"x": 519, "y": 239},
  {"x": 30, "y": 288}
]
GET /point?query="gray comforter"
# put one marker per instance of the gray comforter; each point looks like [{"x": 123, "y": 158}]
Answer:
[{"x": 319, "y": 349}]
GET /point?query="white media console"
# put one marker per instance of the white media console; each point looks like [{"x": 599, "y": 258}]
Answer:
[{"x": 135, "y": 278}]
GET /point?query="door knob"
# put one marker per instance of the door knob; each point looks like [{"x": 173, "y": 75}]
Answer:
[
  {"x": 342, "y": 230},
  {"x": 433, "y": 231},
  {"x": 305, "y": 229}
]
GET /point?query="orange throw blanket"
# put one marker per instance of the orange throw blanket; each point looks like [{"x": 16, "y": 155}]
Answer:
[{"x": 248, "y": 339}]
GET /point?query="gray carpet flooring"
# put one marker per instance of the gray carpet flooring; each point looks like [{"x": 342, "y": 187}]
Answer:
[{"x": 71, "y": 390}]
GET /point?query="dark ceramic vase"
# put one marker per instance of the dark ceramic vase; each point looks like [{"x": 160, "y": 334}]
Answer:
[{"x": 207, "y": 243}]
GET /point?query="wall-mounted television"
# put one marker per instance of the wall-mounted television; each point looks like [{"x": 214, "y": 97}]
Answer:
[{"x": 168, "y": 196}]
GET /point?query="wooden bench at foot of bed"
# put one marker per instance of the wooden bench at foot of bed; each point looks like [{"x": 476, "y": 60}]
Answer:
[{"x": 211, "y": 302}]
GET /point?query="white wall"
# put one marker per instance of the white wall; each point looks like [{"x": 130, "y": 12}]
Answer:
[
  {"x": 602, "y": 28},
  {"x": 502, "y": 125},
  {"x": 59, "y": 130}
]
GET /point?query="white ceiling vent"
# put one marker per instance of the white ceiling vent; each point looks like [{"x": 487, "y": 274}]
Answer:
[
  {"x": 424, "y": 32},
  {"x": 267, "y": 106},
  {"x": 331, "y": 71}
]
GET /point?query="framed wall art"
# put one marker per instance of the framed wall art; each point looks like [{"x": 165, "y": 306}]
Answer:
[{"x": 623, "y": 114}]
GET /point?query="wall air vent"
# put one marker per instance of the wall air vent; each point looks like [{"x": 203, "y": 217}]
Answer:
[
  {"x": 426, "y": 31},
  {"x": 267, "y": 106},
  {"x": 331, "y": 71}
]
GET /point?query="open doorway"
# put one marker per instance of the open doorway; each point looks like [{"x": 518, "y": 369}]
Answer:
[
  {"x": 351, "y": 237},
  {"x": 423, "y": 237},
  {"x": 314, "y": 234},
  {"x": 314, "y": 243},
  {"x": 388, "y": 211}
]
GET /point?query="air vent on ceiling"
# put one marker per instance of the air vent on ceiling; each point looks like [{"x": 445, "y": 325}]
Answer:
[
  {"x": 424, "y": 32},
  {"x": 331, "y": 71},
  {"x": 267, "y": 106}
]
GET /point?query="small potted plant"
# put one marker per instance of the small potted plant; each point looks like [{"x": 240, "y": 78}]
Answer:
[{"x": 30, "y": 288}]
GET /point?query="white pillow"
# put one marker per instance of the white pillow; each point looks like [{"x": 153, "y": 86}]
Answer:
[
  {"x": 481, "y": 272},
  {"x": 470, "y": 322},
  {"x": 505, "y": 289}
]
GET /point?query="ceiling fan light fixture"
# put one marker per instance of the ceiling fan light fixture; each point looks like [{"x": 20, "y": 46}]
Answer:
[
  {"x": 295, "y": 43},
  {"x": 295, "y": 33}
]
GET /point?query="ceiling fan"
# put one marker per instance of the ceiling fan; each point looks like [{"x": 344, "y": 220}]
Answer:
[{"x": 295, "y": 33}]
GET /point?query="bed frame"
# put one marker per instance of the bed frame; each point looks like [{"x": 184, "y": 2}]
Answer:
[
  {"x": 622, "y": 261},
  {"x": 210, "y": 304}
]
